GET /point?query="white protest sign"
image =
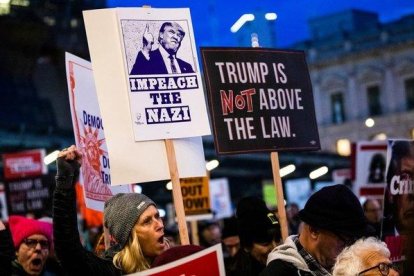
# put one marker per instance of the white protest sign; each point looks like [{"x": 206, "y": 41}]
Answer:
[
  {"x": 88, "y": 128},
  {"x": 220, "y": 198},
  {"x": 152, "y": 75},
  {"x": 370, "y": 169}
]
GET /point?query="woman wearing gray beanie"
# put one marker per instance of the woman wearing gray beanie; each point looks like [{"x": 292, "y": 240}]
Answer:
[{"x": 132, "y": 220}]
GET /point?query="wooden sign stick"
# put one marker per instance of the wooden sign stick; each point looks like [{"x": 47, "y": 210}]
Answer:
[
  {"x": 177, "y": 195},
  {"x": 194, "y": 233},
  {"x": 280, "y": 198}
]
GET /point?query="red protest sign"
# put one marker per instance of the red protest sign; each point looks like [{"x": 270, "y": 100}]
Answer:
[
  {"x": 24, "y": 164},
  {"x": 208, "y": 262}
]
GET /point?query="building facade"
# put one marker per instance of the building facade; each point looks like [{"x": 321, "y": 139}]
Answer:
[{"x": 361, "y": 69}]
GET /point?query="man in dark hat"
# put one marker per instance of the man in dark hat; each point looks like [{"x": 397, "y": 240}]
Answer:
[
  {"x": 259, "y": 233},
  {"x": 333, "y": 218}
]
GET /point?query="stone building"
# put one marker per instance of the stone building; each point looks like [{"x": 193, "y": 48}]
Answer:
[{"x": 360, "y": 69}]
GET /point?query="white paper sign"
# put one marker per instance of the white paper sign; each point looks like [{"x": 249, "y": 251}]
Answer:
[
  {"x": 220, "y": 198},
  {"x": 158, "y": 78},
  {"x": 88, "y": 126},
  {"x": 370, "y": 168}
]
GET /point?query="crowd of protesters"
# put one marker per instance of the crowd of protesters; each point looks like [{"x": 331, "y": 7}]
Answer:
[{"x": 332, "y": 235}]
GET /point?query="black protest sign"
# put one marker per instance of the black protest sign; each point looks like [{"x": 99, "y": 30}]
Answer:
[
  {"x": 260, "y": 100},
  {"x": 28, "y": 195}
]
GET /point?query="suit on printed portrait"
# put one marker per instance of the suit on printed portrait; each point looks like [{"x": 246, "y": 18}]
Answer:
[{"x": 156, "y": 64}]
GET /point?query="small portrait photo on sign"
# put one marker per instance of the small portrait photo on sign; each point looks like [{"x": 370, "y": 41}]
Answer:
[{"x": 157, "y": 47}]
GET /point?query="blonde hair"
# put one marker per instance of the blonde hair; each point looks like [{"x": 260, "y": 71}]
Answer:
[{"x": 131, "y": 259}]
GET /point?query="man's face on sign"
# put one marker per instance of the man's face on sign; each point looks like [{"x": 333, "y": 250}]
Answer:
[
  {"x": 405, "y": 201},
  {"x": 170, "y": 38}
]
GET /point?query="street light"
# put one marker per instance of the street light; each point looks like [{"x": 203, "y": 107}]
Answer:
[
  {"x": 241, "y": 21},
  {"x": 318, "y": 172}
]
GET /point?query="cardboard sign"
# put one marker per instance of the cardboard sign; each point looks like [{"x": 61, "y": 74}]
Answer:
[
  {"x": 28, "y": 195},
  {"x": 208, "y": 262},
  {"x": 24, "y": 164},
  {"x": 370, "y": 169},
  {"x": 154, "y": 100},
  {"x": 196, "y": 196},
  {"x": 260, "y": 100},
  {"x": 131, "y": 162}
]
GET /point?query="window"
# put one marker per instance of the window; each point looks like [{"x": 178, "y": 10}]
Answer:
[
  {"x": 409, "y": 93},
  {"x": 338, "y": 109},
  {"x": 374, "y": 102}
]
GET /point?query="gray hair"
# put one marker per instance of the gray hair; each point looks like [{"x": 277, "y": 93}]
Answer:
[{"x": 351, "y": 260}]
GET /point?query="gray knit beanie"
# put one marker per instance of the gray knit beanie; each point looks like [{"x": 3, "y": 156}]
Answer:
[{"x": 122, "y": 211}]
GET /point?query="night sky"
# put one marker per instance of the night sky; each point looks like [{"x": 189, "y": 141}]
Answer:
[{"x": 291, "y": 24}]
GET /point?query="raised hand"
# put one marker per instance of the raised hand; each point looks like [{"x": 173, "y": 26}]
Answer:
[
  {"x": 68, "y": 163},
  {"x": 147, "y": 39}
]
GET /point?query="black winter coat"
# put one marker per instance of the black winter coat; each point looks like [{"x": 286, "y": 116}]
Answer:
[{"x": 74, "y": 258}]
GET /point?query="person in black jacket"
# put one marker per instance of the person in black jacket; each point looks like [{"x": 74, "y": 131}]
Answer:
[
  {"x": 333, "y": 218},
  {"x": 259, "y": 233},
  {"x": 133, "y": 221}
]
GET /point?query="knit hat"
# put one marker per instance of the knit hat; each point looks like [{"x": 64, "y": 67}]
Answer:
[
  {"x": 22, "y": 227},
  {"x": 122, "y": 211},
  {"x": 336, "y": 209},
  {"x": 256, "y": 223},
  {"x": 175, "y": 253}
]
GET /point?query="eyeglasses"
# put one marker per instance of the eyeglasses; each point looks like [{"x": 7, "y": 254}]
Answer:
[
  {"x": 32, "y": 243},
  {"x": 383, "y": 268}
]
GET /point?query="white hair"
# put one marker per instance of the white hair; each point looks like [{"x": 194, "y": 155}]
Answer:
[{"x": 351, "y": 260}]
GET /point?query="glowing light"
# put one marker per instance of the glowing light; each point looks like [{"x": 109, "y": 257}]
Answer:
[
  {"x": 51, "y": 157},
  {"x": 343, "y": 147},
  {"x": 241, "y": 21},
  {"x": 168, "y": 186},
  {"x": 287, "y": 170},
  {"x": 380, "y": 136},
  {"x": 318, "y": 172},
  {"x": 211, "y": 165},
  {"x": 270, "y": 16},
  {"x": 161, "y": 212},
  {"x": 369, "y": 122},
  {"x": 137, "y": 189}
]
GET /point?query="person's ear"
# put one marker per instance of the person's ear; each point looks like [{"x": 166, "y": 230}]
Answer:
[{"x": 314, "y": 232}]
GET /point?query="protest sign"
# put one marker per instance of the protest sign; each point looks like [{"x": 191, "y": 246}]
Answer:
[
  {"x": 88, "y": 126},
  {"x": 196, "y": 196},
  {"x": 208, "y": 262},
  {"x": 23, "y": 164},
  {"x": 370, "y": 169},
  {"x": 220, "y": 199},
  {"x": 398, "y": 198},
  {"x": 28, "y": 195},
  {"x": 260, "y": 100},
  {"x": 155, "y": 85}
]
